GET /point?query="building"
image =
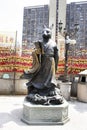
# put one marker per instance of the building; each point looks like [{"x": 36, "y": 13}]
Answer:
[
  {"x": 35, "y": 17},
  {"x": 33, "y": 21},
  {"x": 57, "y": 13},
  {"x": 77, "y": 13}
]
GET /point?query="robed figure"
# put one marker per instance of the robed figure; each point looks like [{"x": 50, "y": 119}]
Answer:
[{"x": 42, "y": 85}]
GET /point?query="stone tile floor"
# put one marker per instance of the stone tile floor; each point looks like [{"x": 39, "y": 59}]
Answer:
[{"x": 11, "y": 113}]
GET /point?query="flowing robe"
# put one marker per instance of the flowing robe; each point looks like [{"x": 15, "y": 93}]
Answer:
[{"x": 45, "y": 76}]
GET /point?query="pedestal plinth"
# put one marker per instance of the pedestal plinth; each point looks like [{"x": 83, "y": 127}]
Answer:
[
  {"x": 42, "y": 114},
  {"x": 65, "y": 88}
]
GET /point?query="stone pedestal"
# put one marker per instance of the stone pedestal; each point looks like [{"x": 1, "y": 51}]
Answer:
[
  {"x": 42, "y": 114},
  {"x": 65, "y": 88}
]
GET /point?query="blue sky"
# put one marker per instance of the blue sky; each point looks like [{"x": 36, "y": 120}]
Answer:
[{"x": 11, "y": 13}]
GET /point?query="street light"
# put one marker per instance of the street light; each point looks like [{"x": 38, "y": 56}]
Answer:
[
  {"x": 67, "y": 42},
  {"x": 60, "y": 26}
]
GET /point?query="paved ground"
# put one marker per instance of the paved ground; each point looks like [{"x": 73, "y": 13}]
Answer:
[{"x": 11, "y": 113}]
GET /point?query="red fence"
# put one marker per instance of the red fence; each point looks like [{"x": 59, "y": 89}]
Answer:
[
  {"x": 75, "y": 65},
  {"x": 9, "y": 62}
]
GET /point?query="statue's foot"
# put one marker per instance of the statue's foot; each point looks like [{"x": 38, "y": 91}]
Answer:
[
  {"x": 36, "y": 98},
  {"x": 44, "y": 100}
]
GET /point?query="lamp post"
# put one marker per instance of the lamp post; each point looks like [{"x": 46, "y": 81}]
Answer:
[
  {"x": 67, "y": 42},
  {"x": 60, "y": 26}
]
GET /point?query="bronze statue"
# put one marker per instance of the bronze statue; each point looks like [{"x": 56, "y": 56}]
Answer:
[{"x": 42, "y": 86}]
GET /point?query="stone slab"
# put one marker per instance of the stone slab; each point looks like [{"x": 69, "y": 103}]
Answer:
[{"x": 45, "y": 115}]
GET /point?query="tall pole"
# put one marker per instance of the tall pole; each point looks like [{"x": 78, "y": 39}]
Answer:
[
  {"x": 14, "y": 61},
  {"x": 67, "y": 41},
  {"x": 66, "y": 59}
]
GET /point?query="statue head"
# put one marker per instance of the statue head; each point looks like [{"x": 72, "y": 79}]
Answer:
[{"x": 47, "y": 32}]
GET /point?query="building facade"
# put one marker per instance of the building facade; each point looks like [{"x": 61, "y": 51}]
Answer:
[
  {"x": 35, "y": 17},
  {"x": 77, "y": 13},
  {"x": 33, "y": 21}
]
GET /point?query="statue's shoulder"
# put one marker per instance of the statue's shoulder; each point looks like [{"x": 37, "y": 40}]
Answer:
[
  {"x": 53, "y": 43},
  {"x": 38, "y": 47},
  {"x": 37, "y": 44}
]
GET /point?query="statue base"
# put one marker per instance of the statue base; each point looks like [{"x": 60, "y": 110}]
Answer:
[{"x": 34, "y": 114}]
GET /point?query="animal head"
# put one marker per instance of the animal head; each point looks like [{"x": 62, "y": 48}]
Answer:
[{"x": 47, "y": 32}]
